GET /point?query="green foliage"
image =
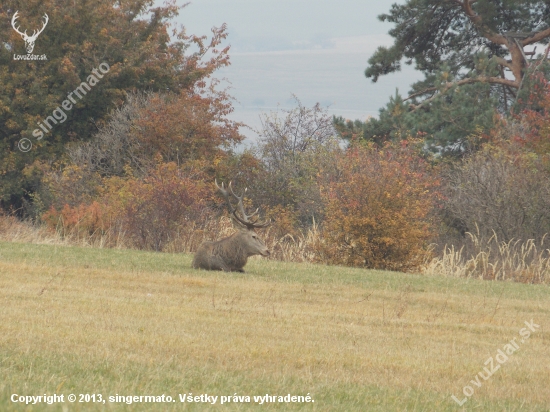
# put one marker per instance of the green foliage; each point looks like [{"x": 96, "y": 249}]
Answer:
[
  {"x": 457, "y": 44},
  {"x": 428, "y": 32},
  {"x": 445, "y": 124},
  {"x": 449, "y": 121},
  {"x": 390, "y": 124}
]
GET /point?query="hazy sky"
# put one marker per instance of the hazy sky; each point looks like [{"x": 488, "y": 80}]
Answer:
[{"x": 315, "y": 49}]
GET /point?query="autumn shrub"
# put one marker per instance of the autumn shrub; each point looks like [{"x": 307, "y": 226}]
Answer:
[
  {"x": 82, "y": 220},
  {"x": 378, "y": 209},
  {"x": 187, "y": 126},
  {"x": 71, "y": 185},
  {"x": 283, "y": 221},
  {"x": 496, "y": 201},
  {"x": 180, "y": 128},
  {"x": 529, "y": 130},
  {"x": 159, "y": 208},
  {"x": 144, "y": 213},
  {"x": 504, "y": 187},
  {"x": 497, "y": 191},
  {"x": 147, "y": 175}
]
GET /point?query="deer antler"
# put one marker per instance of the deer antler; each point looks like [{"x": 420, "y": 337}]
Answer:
[
  {"x": 35, "y": 32},
  {"x": 250, "y": 225},
  {"x": 46, "y": 20},
  {"x": 245, "y": 218},
  {"x": 240, "y": 204},
  {"x": 15, "y": 28}
]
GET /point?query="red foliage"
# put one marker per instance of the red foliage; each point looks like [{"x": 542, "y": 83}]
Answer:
[
  {"x": 536, "y": 120},
  {"x": 81, "y": 220},
  {"x": 149, "y": 212}
]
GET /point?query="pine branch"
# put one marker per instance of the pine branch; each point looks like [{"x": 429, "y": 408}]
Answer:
[
  {"x": 479, "y": 24},
  {"x": 448, "y": 85}
]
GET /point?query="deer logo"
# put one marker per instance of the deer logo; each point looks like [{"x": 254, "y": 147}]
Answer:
[
  {"x": 231, "y": 253},
  {"x": 29, "y": 40}
]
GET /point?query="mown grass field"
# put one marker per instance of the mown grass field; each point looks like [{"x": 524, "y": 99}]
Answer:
[{"x": 104, "y": 321}]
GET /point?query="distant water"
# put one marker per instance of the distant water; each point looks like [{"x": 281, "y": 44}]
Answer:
[{"x": 263, "y": 82}]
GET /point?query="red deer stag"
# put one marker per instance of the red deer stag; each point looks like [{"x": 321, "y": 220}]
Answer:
[{"x": 231, "y": 253}]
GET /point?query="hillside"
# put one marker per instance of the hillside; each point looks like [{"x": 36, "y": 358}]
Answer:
[{"x": 123, "y": 322}]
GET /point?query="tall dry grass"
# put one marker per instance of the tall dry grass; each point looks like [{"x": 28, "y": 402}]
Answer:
[
  {"x": 15, "y": 230},
  {"x": 491, "y": 259},
  {"x": 299, "y": 247},
  {"x": 521, "y": 261}
]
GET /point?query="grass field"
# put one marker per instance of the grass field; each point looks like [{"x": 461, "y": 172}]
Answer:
[{"x": 105, "y": 321}]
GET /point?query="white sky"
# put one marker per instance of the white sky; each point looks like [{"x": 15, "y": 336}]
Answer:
[{"x": 315, "y": 49}]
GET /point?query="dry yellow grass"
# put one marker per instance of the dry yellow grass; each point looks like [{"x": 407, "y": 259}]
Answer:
[
  {"x": 134, "y": 323},
  {"x": 14, "y": 230},
  {"x": 520, "y": 261}
]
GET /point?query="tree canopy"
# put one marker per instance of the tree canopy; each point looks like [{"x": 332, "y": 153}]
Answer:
[
  {"x": 479, "y": 57},
  {"x": 133, "y": 38},
  {"x": 431, "y": 33}
]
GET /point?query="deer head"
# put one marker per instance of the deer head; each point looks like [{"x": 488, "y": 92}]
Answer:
[{"x": 29, "y": 40}]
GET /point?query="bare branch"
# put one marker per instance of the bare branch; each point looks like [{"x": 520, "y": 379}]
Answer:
[
  {"x": 420, "y": 93},
  {"x": 503, "y": 62}
]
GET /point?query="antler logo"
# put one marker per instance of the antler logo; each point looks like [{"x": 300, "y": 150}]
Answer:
[{"x": 29, "y": 40}]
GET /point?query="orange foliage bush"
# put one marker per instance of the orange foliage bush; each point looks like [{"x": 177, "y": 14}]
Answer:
[
  {"x": 81, "y": 221},
  {"x": 150, "y": 212},
  {"x": 283, "y": 221},
  {"x": 378, "y": 209}
]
